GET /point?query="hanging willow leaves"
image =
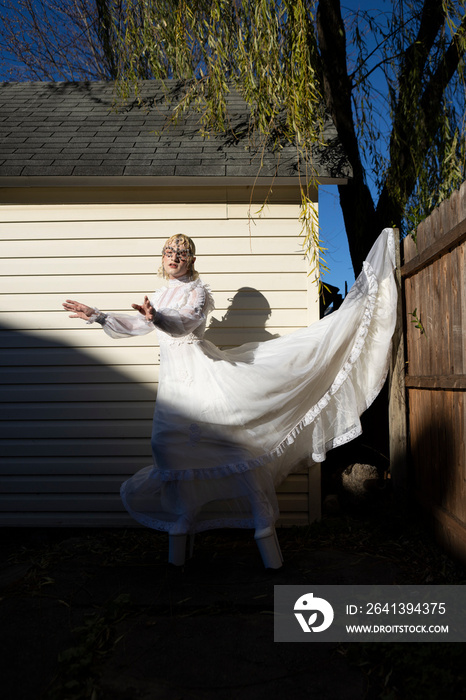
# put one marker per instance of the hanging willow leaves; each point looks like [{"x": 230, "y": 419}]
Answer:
[
  {"x": 289, "y": 61},
  {"x": 391, "y": 80},
  {"x": 261, "y": 51}
]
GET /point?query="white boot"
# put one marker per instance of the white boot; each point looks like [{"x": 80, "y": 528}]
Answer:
[
  {"x": 177, "y": 541},
  {"x": 177, "y": 549},
  {"x": 269, "y": 548}
]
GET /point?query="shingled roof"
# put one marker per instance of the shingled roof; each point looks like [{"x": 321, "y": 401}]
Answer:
[{"x": 71, "y": 130}]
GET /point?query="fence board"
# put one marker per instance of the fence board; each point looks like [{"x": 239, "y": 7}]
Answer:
[
  {"x": 397, "y": 395},
  {"x": 434, "y": 284},
  {"x": 447, "y": 381},
  {"x": 435, "y": 250}
]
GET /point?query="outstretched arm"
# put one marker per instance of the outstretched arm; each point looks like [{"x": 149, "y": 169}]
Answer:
[
  {"x": 79, "y": 310},
  {"x": 114, "y": 325}
]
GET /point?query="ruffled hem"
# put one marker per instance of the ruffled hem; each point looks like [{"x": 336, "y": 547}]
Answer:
[
  {"x": 198, "y": 525},
  {"x": 342, "y": 378}
]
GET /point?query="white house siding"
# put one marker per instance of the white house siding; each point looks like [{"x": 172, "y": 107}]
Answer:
[{"x": 76, "y": 406}]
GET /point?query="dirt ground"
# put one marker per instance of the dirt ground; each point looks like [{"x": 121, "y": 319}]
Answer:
[{"x": 99, "y": 614}]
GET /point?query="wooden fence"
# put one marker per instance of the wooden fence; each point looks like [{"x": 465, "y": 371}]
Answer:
[{"x": 434, "y": 290}]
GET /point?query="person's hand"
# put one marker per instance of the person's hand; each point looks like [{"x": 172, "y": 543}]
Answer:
[
  {"x": 146, "y": 309},
  {"x": 79, "y": 310}
]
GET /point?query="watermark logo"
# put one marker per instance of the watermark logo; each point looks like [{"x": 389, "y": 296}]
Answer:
[
  {"x": 369, "y": 613},
  {"x": 308, "y": 604}
]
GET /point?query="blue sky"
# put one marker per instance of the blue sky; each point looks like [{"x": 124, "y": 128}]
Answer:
[{"x": 334, "y": 239}]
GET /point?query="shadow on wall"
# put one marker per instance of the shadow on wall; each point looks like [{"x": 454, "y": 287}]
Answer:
[
  {"x": 248, "y": 312},
  {"x": 71, "y": 430}
]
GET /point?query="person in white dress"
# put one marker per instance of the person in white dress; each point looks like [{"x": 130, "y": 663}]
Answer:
[{"x": 230, "y": 425}]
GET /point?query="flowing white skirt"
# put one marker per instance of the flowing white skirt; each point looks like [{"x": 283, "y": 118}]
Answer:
[{"x": 229, "y": 426}]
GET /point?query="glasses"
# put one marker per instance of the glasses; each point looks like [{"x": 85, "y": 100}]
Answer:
[{"x": 182, "y": 254}]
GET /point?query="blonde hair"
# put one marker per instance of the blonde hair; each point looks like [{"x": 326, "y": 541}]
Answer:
[{"x": 180, "y": 239}]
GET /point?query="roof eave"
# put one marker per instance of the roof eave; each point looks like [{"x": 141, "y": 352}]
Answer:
[{"x": 167, "y": 181}]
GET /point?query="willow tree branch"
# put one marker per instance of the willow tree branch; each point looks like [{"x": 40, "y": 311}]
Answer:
[
  {"x": 414, "y": 130},
  {"x": 355, "y": 198}
]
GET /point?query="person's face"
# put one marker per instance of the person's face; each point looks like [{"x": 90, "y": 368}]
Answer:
[{"x": 177, "y": 260}]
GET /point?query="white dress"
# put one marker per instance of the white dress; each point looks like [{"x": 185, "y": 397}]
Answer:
[{"x": 230, "y": 425}]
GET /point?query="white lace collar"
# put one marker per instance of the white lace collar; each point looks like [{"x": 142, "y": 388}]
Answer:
[{"x": 179, "y": 281}]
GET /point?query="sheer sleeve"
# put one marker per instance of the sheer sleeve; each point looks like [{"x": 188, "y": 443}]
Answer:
[
  {"x": 122, "y": 325},
  {"x": 185, "y": 319}
]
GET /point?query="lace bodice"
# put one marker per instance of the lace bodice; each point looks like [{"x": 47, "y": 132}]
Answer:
[{"x": 181, "y": 310}]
